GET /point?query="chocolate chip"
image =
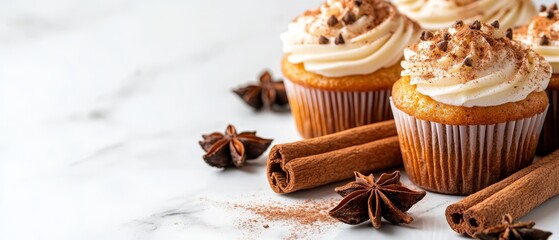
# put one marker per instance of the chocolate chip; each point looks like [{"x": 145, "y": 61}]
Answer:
[
  {"x": 508, "y": 33},
  {"x": 339, "y": 40},
  {"x": 446, "y": 36},
  {"x": 476, "y": 25},
  {"x": 468, "y": 62},
  {"x": 443, "y": 45},
  {"x": 358, "y": 2},
  {"x": 459, "y": 23},
  {"x": 544, "y": 40},
  {"x": 543, "y": 8},
  {"x": 349, "y": 18},
  {"x": 553, "y": 7},
  {"x": 550, "y": 14},
  {"x": 332, "y": 21},
  {"x": 496, "y": 24},
  {"x": 323, "y": 40},
  {"x": 426, "y": 36}
]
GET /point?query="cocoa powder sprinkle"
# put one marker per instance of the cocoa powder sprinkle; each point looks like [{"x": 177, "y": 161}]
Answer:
[
  {"x": 303, "y": 218},
  {"x": 303, "y": 212}
]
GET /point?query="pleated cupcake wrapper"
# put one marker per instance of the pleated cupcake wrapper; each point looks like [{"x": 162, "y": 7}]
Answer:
[
  {"x": 456, "y": 159},
  {"x": 549, "y": 140},
  {"x": 320, "y": 112}
]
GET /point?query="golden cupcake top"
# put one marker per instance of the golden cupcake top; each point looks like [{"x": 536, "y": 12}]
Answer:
[
  {"x": 542, "y": 34},
  {"x": 474, "y": 65},
  {"x": 349, "y": 37},
  {"x": 437, "y": 14}
]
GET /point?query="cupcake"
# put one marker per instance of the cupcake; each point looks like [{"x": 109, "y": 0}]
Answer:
[
  {"x": 469, "y": 107},
  {"x": 542, "y": 35},
  {"x": 341, "y": 61},
  {"x": 438, "y": 14}
]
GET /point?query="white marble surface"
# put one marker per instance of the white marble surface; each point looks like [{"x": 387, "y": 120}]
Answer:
[{"x": 102, "y": 103}]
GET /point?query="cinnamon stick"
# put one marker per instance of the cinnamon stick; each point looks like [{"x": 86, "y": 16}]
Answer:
[
  {"x": 515, "y": 195},
  {"x": 318, "y": 161}
]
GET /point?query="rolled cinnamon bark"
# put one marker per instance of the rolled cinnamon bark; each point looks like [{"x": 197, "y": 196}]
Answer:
[
  {"x": 314, "y": 162},
  {"x": 515, "y": 195}
]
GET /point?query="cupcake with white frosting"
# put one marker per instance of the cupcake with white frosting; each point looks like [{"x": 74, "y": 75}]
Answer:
[
  {"x": 341, "y": 61},
  {"x": 438, "y": 14},
  {"x": 469, "y": 107},
  {"x": 542, "y": 35}
]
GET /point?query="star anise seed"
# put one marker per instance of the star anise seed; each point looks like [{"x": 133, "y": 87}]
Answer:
[
  {"x": 366, "y": 199},
  {"x": 508, "y": 230},
  {"x": 232, "y": 148},
  {"x": 267, "y": 93}
]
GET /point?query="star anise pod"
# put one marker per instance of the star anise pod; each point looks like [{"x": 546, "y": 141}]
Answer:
[
  {"x": 508, "y": 230},
  {"x": 266, "y": 93},
  {"x": 366, "y": 199},
  {"x": 232, "y": 148}
]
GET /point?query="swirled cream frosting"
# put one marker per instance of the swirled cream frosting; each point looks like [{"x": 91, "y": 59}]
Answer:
[
  {"x": 475, "y": 65},
  {"x": 349, "y": 37},
  {"x": 542, "y": 35},
  {"x": 438, "y": 14}
]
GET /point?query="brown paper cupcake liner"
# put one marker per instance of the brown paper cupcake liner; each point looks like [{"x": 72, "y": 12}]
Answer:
[
  {"x": 456, "y": 159},
  {"x": 320, "y": 112},
  {"x": 549, "y": 139}
]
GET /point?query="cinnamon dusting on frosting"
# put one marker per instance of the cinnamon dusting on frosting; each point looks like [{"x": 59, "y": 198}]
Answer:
[
  {"x": 437, "y": 14},
  {"x": 363, "y": 37},
  {"x": 357, "y": 18},
  {"x": 540, "y": 25},
  {"x": 477, "y": 54},
  {"x": 480, "y": 46},
  {"x": 542, "y": 35}
]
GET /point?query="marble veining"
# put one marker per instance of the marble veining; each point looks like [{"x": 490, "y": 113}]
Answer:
[{"x": 102, "y": 104}]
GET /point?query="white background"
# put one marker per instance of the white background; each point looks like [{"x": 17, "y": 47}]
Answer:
[{"x": 102, "y": 104}]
